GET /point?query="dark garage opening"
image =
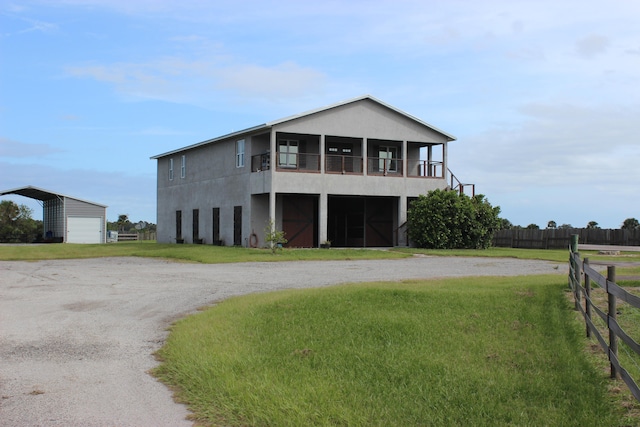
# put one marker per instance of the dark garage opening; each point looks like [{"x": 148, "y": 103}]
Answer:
[{"x": 361, "y": 221}]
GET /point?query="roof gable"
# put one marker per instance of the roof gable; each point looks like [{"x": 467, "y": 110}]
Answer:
[
  {"x": 306, "y": 115},
  {"x": 43, "y": 195},
  {"x": 355, "y": 100}
]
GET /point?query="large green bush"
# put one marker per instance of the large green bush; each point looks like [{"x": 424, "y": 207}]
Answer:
[{"x": 448, "y": 220}]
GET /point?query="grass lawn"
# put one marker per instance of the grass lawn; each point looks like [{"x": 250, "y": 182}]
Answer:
[
  {"x": 456, "y": 352},
  {"x": 207, "y": 254}
]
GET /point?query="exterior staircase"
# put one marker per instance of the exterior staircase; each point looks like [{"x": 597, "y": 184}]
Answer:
[{"x": 456, "y": 185}]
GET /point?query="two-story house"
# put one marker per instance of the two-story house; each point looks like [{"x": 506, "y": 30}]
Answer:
[{"x": 343, "y": 173}]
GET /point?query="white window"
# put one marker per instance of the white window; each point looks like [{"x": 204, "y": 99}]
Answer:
[
  {"x": 288, "y": 153},
  {"x": 387, "y": 159},
  {"x": 170, "y": 169},
  {"x": 240, "y": 153},
  {"x": 183, "y": 167}
]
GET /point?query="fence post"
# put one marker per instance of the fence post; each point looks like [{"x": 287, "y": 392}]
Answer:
[
  {"x": 587, "y": 292},
  {"x": 577, "y": 279},
  {"x": 613, "y": 340},
  {"x": 574, "y": 242}
]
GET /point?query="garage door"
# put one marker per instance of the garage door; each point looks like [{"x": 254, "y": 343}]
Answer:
[{"x": 84, "y": 230}]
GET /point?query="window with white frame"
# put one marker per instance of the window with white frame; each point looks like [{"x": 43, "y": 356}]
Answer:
[
  {"x": 170, "y": 169},
  {"x": 387, "y": 159},
  {"x": 183, "y": 167},
  {"x": 288, "y": 153},
  {"x": 240, "y": 153}
]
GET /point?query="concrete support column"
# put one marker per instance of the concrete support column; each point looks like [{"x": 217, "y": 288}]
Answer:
[
  {"x": 322, "y": 155},
  {"x": 272, "y": 193},
  {"x": 445, "y": 160},
  {"x": 402, "y": 218},
  {"x": 365, "y": 156},
  {"x": 323, "y": 216},
  {"x": 404, "y": 160}
]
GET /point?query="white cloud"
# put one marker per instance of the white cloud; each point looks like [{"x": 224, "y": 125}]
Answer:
[
  {"x": 284, "y": 80},
  {"x": 15, "y": 149},
  {"x": 592, "y": 45},
  {"x": 176, "y": 79}
]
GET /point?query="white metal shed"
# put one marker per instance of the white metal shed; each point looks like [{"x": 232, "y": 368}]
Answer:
[{"x": 67, "y": 219}]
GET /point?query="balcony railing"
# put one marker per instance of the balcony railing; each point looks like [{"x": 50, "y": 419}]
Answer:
[
  {"x": 260, "y": 162},
  {"x": 295, "y": 162},
  {"x": 343, "y": 164},
  {"x": 384, "y": 166},
  {"x": 339, "y": 164},
  {"x": 425, "y": 168},
  {"x": 456, "y": 185}
]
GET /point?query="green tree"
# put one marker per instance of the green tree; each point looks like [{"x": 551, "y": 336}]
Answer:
[
  {"x": 16, "y": 222},
  {"x": 505, "y": 224},
  {"x": 533, "y": 227},
  {"x": 593, "y": 225},
  {"x": 447, "y": 220},
  {"x": 123, "y": 223},
  {"x": 630, "y": 224}
]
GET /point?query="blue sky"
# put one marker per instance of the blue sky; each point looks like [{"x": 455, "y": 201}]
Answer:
[{"x": 543, "y": 96}]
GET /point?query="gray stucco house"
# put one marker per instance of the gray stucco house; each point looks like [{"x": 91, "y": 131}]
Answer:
[{"x": 344, "y": 173}]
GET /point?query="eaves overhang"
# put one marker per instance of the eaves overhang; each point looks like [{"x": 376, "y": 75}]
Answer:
[{"x": 213, "y": 140}]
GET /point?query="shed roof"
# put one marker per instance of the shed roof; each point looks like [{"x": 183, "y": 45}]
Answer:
[
  {"x": 269, "y": 125},
  {"x": 42, "y": 194}
]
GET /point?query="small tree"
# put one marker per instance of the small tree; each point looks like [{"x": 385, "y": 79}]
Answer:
[
  {"x": 593, "y": 225},
  {"x": 552, "y": 225},
  {"x": 630, "y": 224},
  {"x": 274, "y": 238},
  {"x": 16, "y": 220},
  {"x": 533, "y": 227},
  {"x": 447, "y": 220},
  {"x": 123, "y": 223}
]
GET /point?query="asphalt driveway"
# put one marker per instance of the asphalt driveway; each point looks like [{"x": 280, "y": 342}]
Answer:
[{"x": 77, "y": 337}]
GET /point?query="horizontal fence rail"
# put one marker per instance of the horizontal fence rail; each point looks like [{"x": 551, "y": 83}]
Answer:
[{"x": 581, "y": 272}]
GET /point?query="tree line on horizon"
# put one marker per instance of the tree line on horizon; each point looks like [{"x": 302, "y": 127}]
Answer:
[{"x": 627, "y": 224}]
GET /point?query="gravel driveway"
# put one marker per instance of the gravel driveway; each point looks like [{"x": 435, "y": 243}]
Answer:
[{"x": 77, "y": 336}]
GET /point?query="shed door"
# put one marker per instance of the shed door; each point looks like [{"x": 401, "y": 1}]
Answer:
[{"x": 84, "y": 230}]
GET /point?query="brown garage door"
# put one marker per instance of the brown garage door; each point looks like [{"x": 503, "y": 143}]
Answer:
[{"x": 300, "y": 220}]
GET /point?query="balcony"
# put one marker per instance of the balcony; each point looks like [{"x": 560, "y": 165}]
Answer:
[
  {"x": 425, "y": 168},
  {"x": 341, "y": 164}
]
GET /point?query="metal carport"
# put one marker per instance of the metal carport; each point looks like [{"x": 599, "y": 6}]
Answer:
[{"x": 67, "y": 219}]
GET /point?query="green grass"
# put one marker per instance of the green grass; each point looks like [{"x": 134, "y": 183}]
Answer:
[
  {"x": 540, "y": 254},
  {"x": 459, "y": 352},
  {"x": 557, "y": 255},
  {"x": 207, "y": 254}
]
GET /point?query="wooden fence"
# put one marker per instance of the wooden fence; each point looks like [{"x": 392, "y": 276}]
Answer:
[
  {"x": 561, "y": 238},
  {"x": 142, "y": 235},
  {"x": 579, "y": 270}
]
